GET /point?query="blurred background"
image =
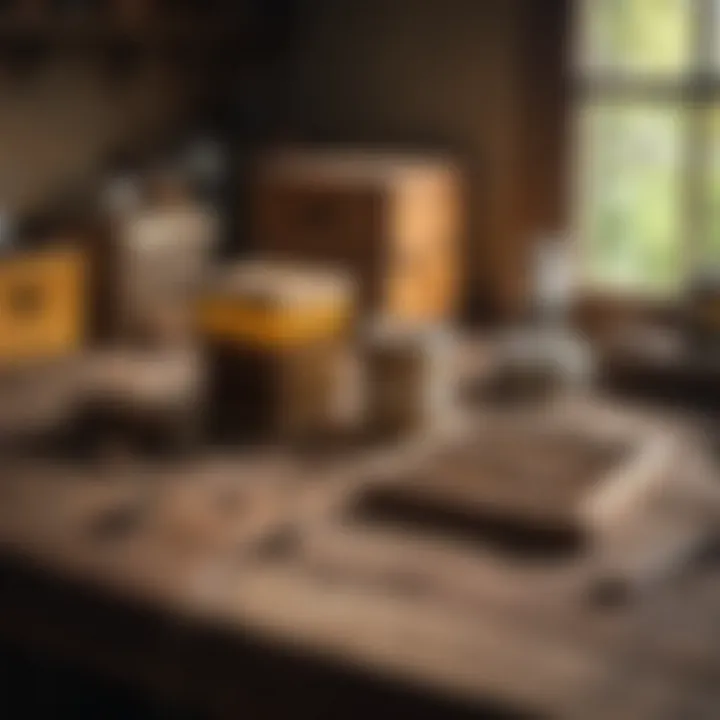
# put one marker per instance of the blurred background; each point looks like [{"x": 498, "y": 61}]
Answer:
[{"x": 357, "y": 356}]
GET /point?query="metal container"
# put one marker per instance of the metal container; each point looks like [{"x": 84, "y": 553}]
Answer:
[{"x": 409, "y": 379}]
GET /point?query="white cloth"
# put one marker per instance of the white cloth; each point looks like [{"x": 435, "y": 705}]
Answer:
[{"x": 164, "y": 255}]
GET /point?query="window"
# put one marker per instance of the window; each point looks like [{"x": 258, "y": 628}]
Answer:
[{"x": 648, "y": 75}]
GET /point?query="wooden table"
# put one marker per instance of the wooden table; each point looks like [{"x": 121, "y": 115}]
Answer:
[{"x": 236, "y": 584}]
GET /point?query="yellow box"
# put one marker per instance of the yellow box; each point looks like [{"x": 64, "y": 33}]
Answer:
[
  {"x": 273, "y": 333},
  {"x": 236, "y": 322},
  {"x": 268, "y": 305},
  {"x": 42, "y": 305}
]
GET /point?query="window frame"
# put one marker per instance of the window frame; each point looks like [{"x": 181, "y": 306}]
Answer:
[{"x": 695, "y": 90}]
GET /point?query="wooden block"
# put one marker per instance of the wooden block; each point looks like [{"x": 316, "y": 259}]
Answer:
[{"x": 394, "y": 222}]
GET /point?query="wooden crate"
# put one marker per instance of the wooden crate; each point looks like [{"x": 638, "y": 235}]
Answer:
[
  {"x": 394, "y": 222},
  {"x": 42, "y": 306}
]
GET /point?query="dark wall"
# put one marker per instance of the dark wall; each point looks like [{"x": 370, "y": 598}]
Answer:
[
  {"x": 57, "y": 127},
  {"x": 483, "y": 78}
]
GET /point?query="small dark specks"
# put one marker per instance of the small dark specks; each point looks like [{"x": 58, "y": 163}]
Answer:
[
  {"x": 117, "y": 522},
  {"x": 609, "y": 593},
  {"x": 281, "y": 545}
]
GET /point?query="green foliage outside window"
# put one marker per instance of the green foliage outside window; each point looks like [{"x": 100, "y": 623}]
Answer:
[{"x": 649, "y": 171}]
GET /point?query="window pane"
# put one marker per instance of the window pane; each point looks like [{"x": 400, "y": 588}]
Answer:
[
  {"x": 711, "y": 247},
  {"x": 631, "y": 195},
  {"x": 637, "y": 36},
  {"x": 715, "y": 33}
]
